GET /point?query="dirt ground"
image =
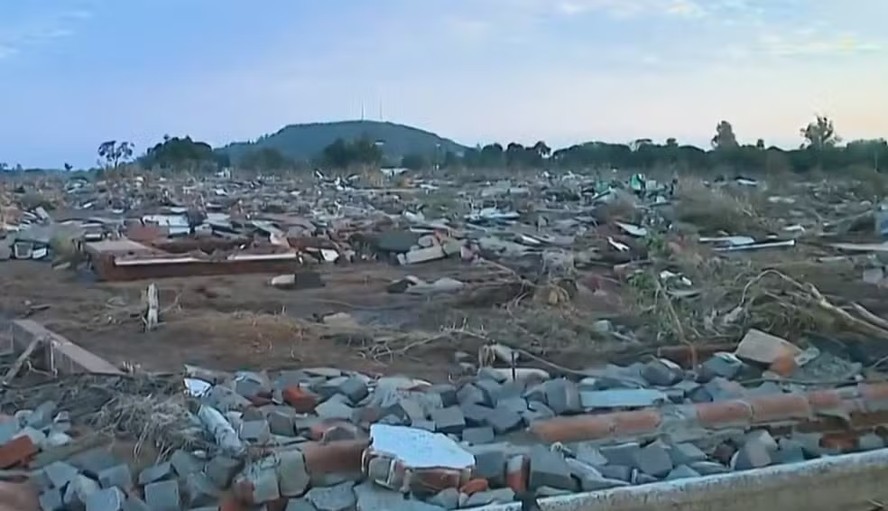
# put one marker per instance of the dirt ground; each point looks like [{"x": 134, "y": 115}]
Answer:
[{"x": 232, "y": 322}]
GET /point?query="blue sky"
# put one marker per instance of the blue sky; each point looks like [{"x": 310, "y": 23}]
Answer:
[{"x": 76, "y": 72}]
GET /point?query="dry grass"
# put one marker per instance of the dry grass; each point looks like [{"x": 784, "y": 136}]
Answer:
[{"x": 718, "y": 210}]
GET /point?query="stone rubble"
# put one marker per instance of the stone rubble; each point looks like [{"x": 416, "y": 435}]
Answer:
[{"x": 328, "y": 440}]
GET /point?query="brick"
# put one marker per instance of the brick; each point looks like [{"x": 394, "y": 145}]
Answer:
[
  {"x": 784, "y": 365},
  {"x": 474, "y": 486},
  {"x": 840, "y": 442},
  {"x": 517, "y": 473},
  {"x": 340, "y": 456},
  {"x": 724, "y": 414},
  {"x": 17, "y": 452},
  {"x": 639, "y": 422},
  {"x": 826, "y": 400},
  {"x": 874, "y": 396},
  {"x": 300, "y": 399},
  {"x": 334, "y": 429},
  {"x": 447, "y": 499},
  {"x": 779, "y": 408}
]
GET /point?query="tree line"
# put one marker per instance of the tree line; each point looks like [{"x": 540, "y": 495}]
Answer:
[{"x": 821, "y": 149}]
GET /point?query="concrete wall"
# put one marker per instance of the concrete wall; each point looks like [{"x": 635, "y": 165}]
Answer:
[
  {"x": 57, "y": 353},
  {"x": 848, "y": 483}
]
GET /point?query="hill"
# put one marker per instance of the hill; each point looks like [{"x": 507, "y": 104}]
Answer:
[{"x": 306, "y": 141}]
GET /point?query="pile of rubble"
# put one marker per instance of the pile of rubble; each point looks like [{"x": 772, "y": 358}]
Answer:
[{"x": 330, "y": 440}]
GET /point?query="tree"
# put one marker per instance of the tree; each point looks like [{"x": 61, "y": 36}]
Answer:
[
  {"x": 760, "y": 144},
  {"x": 175, "y": 152},
  {"x": 68, "y": 167},
  {"x": 267, "y": 158},
  {"x": 820, "y": 134},
  {"x": 724, "y": 136},
  {"x": 542, "y": 150},
  {"x": 492, "y": 155},
  {"x": 114, "y": 153},
  {"x": 4, "y": 166},
  {"x": 515, "y": 155}
]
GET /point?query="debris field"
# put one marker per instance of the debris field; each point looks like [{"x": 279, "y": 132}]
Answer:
[{"x": 373, "y": 342}]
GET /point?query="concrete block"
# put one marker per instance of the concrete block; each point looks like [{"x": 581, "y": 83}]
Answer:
[
  {"x": 185, "y": 463},
  {"x": 654, "y": 460},
  {"x": 724, "y": 365},
  {"x": 200, "y": 490},
  {"x": 449, "y": 420},
  {"x": 423, "y": 255},
  {"x": 485, "y": 498},
  {"x": 51, "y": 500},
  {"x": 78, "y": 491},
  {"x": 621, "y": 454},
  {"x": 621, "y": 398},
  {"x": 135, "y": 504},
  {"x": 516, "y": 403},
  {"x": 562, "y": 396},
  {"x": 589, "y": 454},
  {"x": 490, "y": 389},
  {"x": 119, "y": 476},
  {"x": 789, "y": 451},
  {"x": 42, "y": 416},
  {"x": 8, "y": 430},
  {"x": 536, "y": 411},
  {"x": 469, "y": 394},
  {"x": 476, "y": 414},
  {"x": 292, "y": 473},
  {"x": 619, "y": 472},
  {"x": 548, "y": 468},
  {"x": 94, "y": 461},
  {"x": 751, "y": 455},
  {"x": 281, "y": 421},
  {"x": 333, "y": 498},
  {"x": 155, "y": 473},
  {"x": 682, "y": 472},
  {"x": 221, "y": 470},
  {"x": 299, "y": 505},
  {"x": 490, "y": 464},
  {"x": 685, "y": 453},
  {"x": 260, "y": 478},
  {"x": 371, "y": 497},
  {"x": 354, "y": 388},
  {"x": 662, "y": 372},
  {"x": 504, "y": 420},
  {"x": 60, "y": 473},
  {"x": 447, "y": 393},
  {"x": 590, "y": 478},
  {"x": 109, "y": 499},
  {"x": 256, "y": 432},
  {"x": 870, "y": 442},
  {"x": 477, "y": 436},
  {"x": 163, "y": 496},
  {"x": 447, "y": 499},
  {"x": 708, "y": 468},
  {"x": 334, "y": 409}
]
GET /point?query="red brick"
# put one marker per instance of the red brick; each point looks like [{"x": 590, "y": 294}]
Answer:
[
  {"x": 231, "y": 503},
  {"x": 436, "y": 479},
  {"x": 517, "y": 473},
  {"x": 724, "y": 414},
  {"x": 842, "y": 442},
  {"x": 784, "y": 365},
  {"x": 300, "y": 399},
  {"x": 779, "y": 408},
  {"x": 825, "y": 400},
  {"x": 332, "y": 430},
  {"x": 639, "y": 422},
  {"x": 474, "y": 486},
  {"x": 17, "y": 452},
  {"x": 874, "y": 396},
  {"x": 574, "y": 429},
  {"x": 338, "y": 456}
]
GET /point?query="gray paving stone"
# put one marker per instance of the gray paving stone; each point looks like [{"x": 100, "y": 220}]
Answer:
[
  {"x": 590, "y": 478},
  {"x": 621, "y": 398},
  {"x": 449, "y": 420},
  {"x": 497, "y": 496},
  {"x": 447, "y": 499},
  {"x": 548, "y": 468},
  {"x": 185, "y": 463},
  {"x": 135, "y": 504},
  {"x": 517, "y": 404},
  {"x": 682, "y": 472},
  {"x": 292, "y": 473},
  {"x": 354, "y": 388},
  {"x": 163, "y": 496},
  {"x": 685, "y": 453},
  {"x": 109, "y": 499},
  {"x": 490, "y": 389},
  {"x": 371, "y": 497},
  {"x": 638, "y": 478},
  {"x": 789, "y": 451},
  {"x": 503, "y": 420},
  {"x": 60, "y": 473},
  {"x": 428, "y": 425},
  {"x": 535, "y": 393},
  {"x": 255, "y": 432},
  {"x": 490, "y": 464},
  {"x": 200, "y": 490},
  {"x": 476, "y": 414},
  {"x": 8, "y": 430},
  {"x": 870, "y": 442},
  {"x": 51, "y": 500},
  {"x": 562, "y": 396},
  {"x": 589, "y": 454},
  {"x": 724, "y": 365},
  {"x": 78, "y": 491},
  {"x": 621, "y": 454},
  {"x": 709, "y": 468},
  {"x": 662, "y": 373},
  {"x": 334, "y": 409},
  {"x": 619, "y": 472},
  {"x": 537, "y": 410},
  {"x": 334, "y": 498},
  {"x": 119, "y": 476},
  {"x": 94, "y": 461},
  {"x": 477, "y": 436},
  {"x": 469, "y": 393},
  {"x": 489, "y": 373},
  {"x": 42, "y": 416},
  {"x": 262, "y": 475},
  {"x": 281, "y": 421},
  {"x": 299, "y": 505},
  {"x": 156, "y": 473},
  {"x": 752, "y": 455},
  {"x": 447, "y": 393}
]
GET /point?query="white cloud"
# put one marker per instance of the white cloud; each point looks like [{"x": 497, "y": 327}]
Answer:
[{"x": 39, "y": 27}]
